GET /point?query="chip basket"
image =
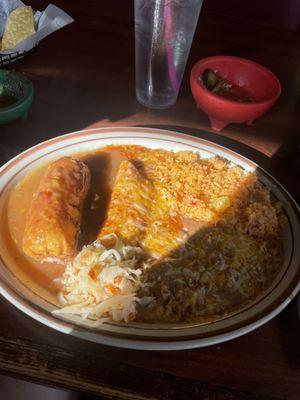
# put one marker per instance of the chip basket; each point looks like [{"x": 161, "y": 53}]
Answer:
[{"x": 8, "y": 59}]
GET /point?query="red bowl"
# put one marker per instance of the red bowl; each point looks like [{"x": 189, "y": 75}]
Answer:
[{"x": 261, "y": 84}]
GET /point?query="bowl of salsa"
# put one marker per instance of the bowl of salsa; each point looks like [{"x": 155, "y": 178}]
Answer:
[
  {"x": 16, "y": 96},
  {"x": 233, "y": 89}
]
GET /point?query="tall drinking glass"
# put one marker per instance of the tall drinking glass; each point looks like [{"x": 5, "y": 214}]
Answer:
[{"x": 164, "y": 31}]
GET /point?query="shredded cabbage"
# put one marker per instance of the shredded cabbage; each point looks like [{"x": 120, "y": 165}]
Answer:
[{"x": 102, "y": 282}]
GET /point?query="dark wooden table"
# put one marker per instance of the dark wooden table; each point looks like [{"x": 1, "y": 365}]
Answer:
[{"x": 84, "y": 77}]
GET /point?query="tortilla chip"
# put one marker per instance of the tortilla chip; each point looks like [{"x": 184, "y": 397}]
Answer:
[{"x": 19, "y": 25}]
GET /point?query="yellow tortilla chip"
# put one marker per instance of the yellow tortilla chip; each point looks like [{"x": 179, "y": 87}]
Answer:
[{"x": 19, "y": 25}]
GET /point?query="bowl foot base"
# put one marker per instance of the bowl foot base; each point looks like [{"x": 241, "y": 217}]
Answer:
[
  {"x": 24, "y": 116},
  {"x": 216, "y": 124}
]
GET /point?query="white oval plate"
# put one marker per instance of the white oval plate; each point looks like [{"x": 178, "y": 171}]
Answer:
[{"x": 152, "y": 336}]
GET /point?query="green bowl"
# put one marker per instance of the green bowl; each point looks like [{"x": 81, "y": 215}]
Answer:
[{"x": 17, "y": 85}]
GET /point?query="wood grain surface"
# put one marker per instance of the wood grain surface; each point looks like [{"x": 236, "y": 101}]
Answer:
[{"x": 84, "y": 77}]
